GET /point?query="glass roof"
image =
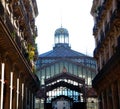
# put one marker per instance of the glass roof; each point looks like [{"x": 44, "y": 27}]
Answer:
[
  {"x": 61, "y": 51},
  {"x": 62, "y": 31}
]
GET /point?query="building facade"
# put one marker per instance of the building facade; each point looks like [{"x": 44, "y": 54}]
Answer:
[
  {"x": 65, "y": 72},
  {"x": 106, "y": 14},
  {"x": 18, "y": 83}
]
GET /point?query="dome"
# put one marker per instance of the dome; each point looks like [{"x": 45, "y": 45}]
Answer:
[
  {"x": 61, "y": 31},
  {"x": 61, "y": 36}
]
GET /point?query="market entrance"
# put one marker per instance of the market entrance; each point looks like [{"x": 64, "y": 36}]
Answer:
[{"x": 64, "y": 91}]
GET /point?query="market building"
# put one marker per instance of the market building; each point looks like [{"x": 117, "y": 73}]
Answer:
[{"x": 65, "y": 76}]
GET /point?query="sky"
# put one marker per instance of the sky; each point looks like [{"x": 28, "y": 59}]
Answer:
[{"x": 74, "y": 15}]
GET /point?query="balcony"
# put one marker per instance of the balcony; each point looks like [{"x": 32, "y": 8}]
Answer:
[
  {"x": 13, "y": 36},
  {"x": 101, "y": 13},
  {"x": 109, "y": 30},
  {"x": 9, "y": 25},
  {"x": 108, "y": 66},
  {"x": 17, "y": 10}
]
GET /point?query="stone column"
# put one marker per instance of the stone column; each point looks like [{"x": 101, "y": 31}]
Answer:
[
  {"x": 11, "y": 89},
  {"x": 17, "y": 103},
  {"x": 22, "y": 95},
  {"x": 14, "y": 91},
  {"x": 2, "y": 84},
  {"x": 6, "y": 93}
]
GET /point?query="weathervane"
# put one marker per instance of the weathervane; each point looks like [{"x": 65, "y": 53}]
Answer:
[{"x": 61, "y": 18}]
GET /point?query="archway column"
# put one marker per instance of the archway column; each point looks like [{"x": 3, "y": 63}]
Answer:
[
  {"x": 23, "y": 95},
  {"x": 2, "y": 84},
  {"x": 17, "y": 103},
  {"x": 11, "y": 89}
]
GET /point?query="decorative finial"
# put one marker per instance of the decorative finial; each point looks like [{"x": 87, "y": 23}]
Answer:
[{"x": 61, "y": 18}]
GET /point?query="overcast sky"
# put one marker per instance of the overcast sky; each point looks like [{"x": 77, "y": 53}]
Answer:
[{"x": 74, "y": 15}]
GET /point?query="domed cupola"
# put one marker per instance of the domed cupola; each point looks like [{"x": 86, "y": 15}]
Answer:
[{"x": 61, "y": 36}]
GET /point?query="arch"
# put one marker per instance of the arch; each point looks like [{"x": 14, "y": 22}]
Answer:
[
  {"x": 65, "y": 75},
  {"x": 51, "y": 84},
  {"x": 64, "y": 84}
]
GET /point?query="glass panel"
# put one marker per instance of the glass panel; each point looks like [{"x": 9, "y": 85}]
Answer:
[
  {"x": 56, "y": 68},
  {"x": 83, "y": 72},
  {"x": 66, "y": 40},
  {"x": 56, "y": 40},
  {"x": 89, "y": 78},
  {"x": 61, "y": 67},
  {"x": 47, "y": 72},
  {"x": 66, "y": 66},
  {"x": 42, "y": 76},
  {"x": 80, "y": 72},
  {"x": 70, "y": 68},
  {"x": 52, "y": 71},
  {"x": 86, "y": 76},
  {"x": 75, "y": 70}
]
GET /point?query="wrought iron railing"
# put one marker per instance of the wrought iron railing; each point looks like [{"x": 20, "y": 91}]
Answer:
[
  {"x": 9, "y": 24},
  {"x": 108, "y": 28},
  {"x": 102, "y": 11},
  {"x": 13, "y": 33}
]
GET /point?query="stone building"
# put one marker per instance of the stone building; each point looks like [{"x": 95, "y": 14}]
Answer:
[
  {"x": 65, "y": 76},
  {"x": 106, "y": 14},
  {"x": 18, "y": 52}
]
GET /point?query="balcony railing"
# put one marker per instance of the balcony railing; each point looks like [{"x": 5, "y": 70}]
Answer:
[
  {"x": 101, "y": 11},
  {"x": 23, "y": 11},
  {"x": 108, "y": 28},
  {"x": 9, "y": 24},
  {"x": 13, "y": 34},
  {"x": 109, "y": 65}
]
